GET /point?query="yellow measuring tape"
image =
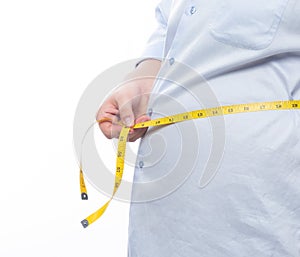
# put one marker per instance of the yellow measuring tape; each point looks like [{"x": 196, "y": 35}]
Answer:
[{"x": 197, "y": 114}]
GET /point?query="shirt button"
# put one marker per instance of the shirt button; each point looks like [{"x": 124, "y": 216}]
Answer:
[
  {"x": 141, "y": 164},
  {"x": 192, "y": 10},
  {"x": 171, "y": 61},
  {"x": 150, "y": 111}
]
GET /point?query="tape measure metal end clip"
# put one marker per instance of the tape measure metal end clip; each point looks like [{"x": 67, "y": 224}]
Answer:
[
  {"x": 84, "y": 196},
  {"x": 84, "y": 223}
]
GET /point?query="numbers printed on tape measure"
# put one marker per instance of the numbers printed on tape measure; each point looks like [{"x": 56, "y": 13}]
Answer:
[{"x": 223, "y": 110}]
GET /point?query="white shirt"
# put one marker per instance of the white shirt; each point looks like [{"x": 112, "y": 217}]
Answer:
[{"x": 228, "y": 186}]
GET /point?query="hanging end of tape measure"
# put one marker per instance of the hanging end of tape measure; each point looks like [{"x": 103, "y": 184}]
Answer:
[
  {"x": 84, "y": 196},
  {"x": 84, "y": 223}
]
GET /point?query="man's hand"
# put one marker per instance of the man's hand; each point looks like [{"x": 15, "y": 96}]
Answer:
[{"x": 128, "y": 104}]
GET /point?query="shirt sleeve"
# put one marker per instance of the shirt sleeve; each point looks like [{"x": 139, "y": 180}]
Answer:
[{"x": 155, "y": 46}]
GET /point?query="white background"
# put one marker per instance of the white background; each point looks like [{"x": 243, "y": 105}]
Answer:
[{"x": 49, "y": 52}]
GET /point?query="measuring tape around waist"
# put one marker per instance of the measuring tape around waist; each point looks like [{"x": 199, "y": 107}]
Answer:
[{"x": 197, "y": 114}]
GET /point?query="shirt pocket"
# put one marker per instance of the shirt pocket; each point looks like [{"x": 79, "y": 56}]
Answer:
[{"x": 247, "y": 24}]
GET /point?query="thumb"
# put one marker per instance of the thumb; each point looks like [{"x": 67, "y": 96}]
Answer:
[{"x": 126, "y": 113}]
